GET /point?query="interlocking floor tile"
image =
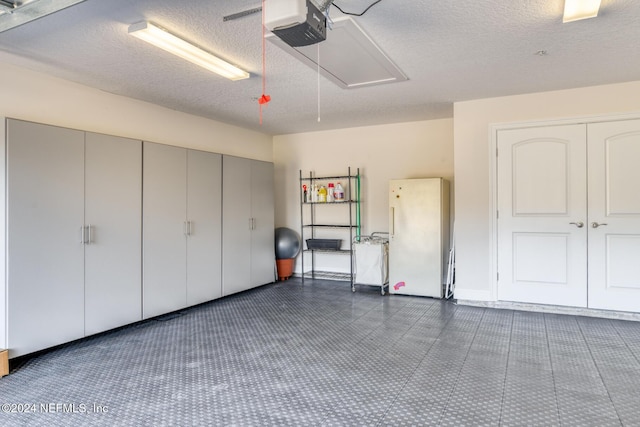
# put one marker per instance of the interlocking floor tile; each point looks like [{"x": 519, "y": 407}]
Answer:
[{"x": 320, "y": 355}]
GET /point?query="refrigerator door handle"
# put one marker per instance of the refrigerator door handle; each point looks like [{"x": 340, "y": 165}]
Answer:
[{"x": 392, "y": 213}]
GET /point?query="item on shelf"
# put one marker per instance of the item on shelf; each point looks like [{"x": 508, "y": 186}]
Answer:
[
  {"x": 327, "y": 244},
  {"x": 314, "y": 193},
  {"x": 338, "y": 193},
  {"x": 330, "y": 193},
  {"x": 304, "y": 188},
  {"x": 322, "y": 194}
]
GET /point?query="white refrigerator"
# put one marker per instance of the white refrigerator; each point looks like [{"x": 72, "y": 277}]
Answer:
[{"x": 418, "y": 236}]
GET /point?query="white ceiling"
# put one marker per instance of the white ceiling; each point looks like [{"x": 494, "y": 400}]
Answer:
[{"x": 450, "y": 50}]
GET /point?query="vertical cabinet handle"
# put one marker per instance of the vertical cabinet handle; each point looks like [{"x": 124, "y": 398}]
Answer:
[
  {"x": 89, "y": 234},
  {"x": 189, "y": 228},
  {"x": 82, "y": 234},
  {"x": 184, "y": 228}
]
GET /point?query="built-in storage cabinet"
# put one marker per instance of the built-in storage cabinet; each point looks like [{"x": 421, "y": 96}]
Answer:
[
  {"x": 204, "y": 216},
  {"x": 182, "y": 228},
  {"x": 104, "y": 231},
  {"x": 73, "y": 234},
  {"x": 113, "y": 211},
  {"x": 248, "y": 217}
]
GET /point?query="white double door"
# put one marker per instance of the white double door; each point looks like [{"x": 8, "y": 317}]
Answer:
[{"x": 569, "y": 215}]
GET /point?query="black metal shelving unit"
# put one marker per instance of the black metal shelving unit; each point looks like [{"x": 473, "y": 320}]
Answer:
[{"x": 309, "y": 228}]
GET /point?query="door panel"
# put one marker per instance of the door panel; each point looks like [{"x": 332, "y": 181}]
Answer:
[
  {"x": 204, "y": 212},
  {"x": 262, "y": 236},
  {"x": 164, "y": 231},
  {"x": 113, "y": 210},
  {"x": 541, "y": 191},
  {"x": 236, "y": 234},
  {"x": 614, "y": 209},
  {"x": 45, "y": 257}
]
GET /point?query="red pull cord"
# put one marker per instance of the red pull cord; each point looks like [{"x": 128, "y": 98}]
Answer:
[{"x": 264, "y": 99}]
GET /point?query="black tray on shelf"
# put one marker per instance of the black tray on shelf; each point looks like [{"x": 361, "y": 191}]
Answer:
[{"x": 324, "y": 244}]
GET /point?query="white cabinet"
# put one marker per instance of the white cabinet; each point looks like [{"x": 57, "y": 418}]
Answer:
[
  {"x": 63, "y": 272},
  {"x": 45, "y": 261},
  {"x": 113, "y": 221},
  {"x": 182, "y": 228},
  {"x": 248, "y": 218},
  {"x": 204, "y": 216}
]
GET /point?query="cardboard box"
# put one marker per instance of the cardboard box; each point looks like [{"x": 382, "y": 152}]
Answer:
[{"x": 4, "y": 363}]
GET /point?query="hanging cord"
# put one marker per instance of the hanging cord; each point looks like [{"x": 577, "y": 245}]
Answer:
[
  {"x": 357, "y": 14},
  {"x": 264, "y": 99},
  {"x": 318, "y": 45}
]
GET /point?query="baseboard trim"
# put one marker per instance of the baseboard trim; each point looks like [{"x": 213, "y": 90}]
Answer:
[
  {"x": 473, "y": 295},
  {"x": 552, "y": 309}
]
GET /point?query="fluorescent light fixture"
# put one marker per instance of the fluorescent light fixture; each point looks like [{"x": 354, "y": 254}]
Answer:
[
  {"x": 575, "y": 10},
  {"x": 160, "y": 38},
  {"x": 15, "y": 13}
]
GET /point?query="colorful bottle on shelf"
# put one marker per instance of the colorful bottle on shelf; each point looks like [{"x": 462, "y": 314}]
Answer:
[
  {"x": 322, "y": 194},
  {"x": 330, "y": 192},
  {"x": 314, "y": 193},
  {"x": 338, "y": 193}
]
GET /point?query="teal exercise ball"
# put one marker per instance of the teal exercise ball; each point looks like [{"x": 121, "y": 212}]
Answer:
[{"x": 287, "y": 243}]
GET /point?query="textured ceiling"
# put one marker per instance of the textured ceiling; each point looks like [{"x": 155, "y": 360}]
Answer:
[{"x": 450, "y": 50}]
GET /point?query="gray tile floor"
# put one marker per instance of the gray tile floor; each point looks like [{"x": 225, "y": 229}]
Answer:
[{"x": 319, "y": 355}]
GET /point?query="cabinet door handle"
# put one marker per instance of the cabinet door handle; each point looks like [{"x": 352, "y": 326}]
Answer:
[
  {"x": 596, "y": 225},
  {"x": 82, "y": 234},
  {"x": 189, "y": 228},
  {"x": 578, "y": 224},
  {"x": 253, "y": 223},
  {"x": 89, "y": 234},
  {"x": 184, "y": 228}
]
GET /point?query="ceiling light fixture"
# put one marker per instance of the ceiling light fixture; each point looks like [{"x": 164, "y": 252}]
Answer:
[
  {"x": 575, "y": 10},
  {"x": 160, "y": 38}
]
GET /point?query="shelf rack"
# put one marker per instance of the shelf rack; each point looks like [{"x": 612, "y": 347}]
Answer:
[{"x": 309, "y": 228}]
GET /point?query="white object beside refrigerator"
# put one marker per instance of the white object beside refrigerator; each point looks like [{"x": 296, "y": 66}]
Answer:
[{"x": 418, "y": 236}]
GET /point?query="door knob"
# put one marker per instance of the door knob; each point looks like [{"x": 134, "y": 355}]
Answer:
[
  {"x": 578, "y": 224},
  {"x": 596, "y": 225}
]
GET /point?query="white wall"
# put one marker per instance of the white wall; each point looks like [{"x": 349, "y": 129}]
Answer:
[
  {"x": 472, "y": 142},
  {"x": 36, "y": 97},
  {"x": 397, "y": 151}
]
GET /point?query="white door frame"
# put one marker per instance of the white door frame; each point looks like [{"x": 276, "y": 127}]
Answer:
[{"x": 493, "y": 139}]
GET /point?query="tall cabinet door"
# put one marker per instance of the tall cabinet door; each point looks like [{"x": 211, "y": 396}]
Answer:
[
  {"x": 45, "y": 257},
  {"x": 204, "y": 216},
  {"x": 236, "y": 217},
  {"x": 164, "y": 229},
  {"x": 614, "y": 215},
  {"x": 262, "y": 214},
  {"x": 542, "y": 234},
  {"x": 113, "y": 216}
]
